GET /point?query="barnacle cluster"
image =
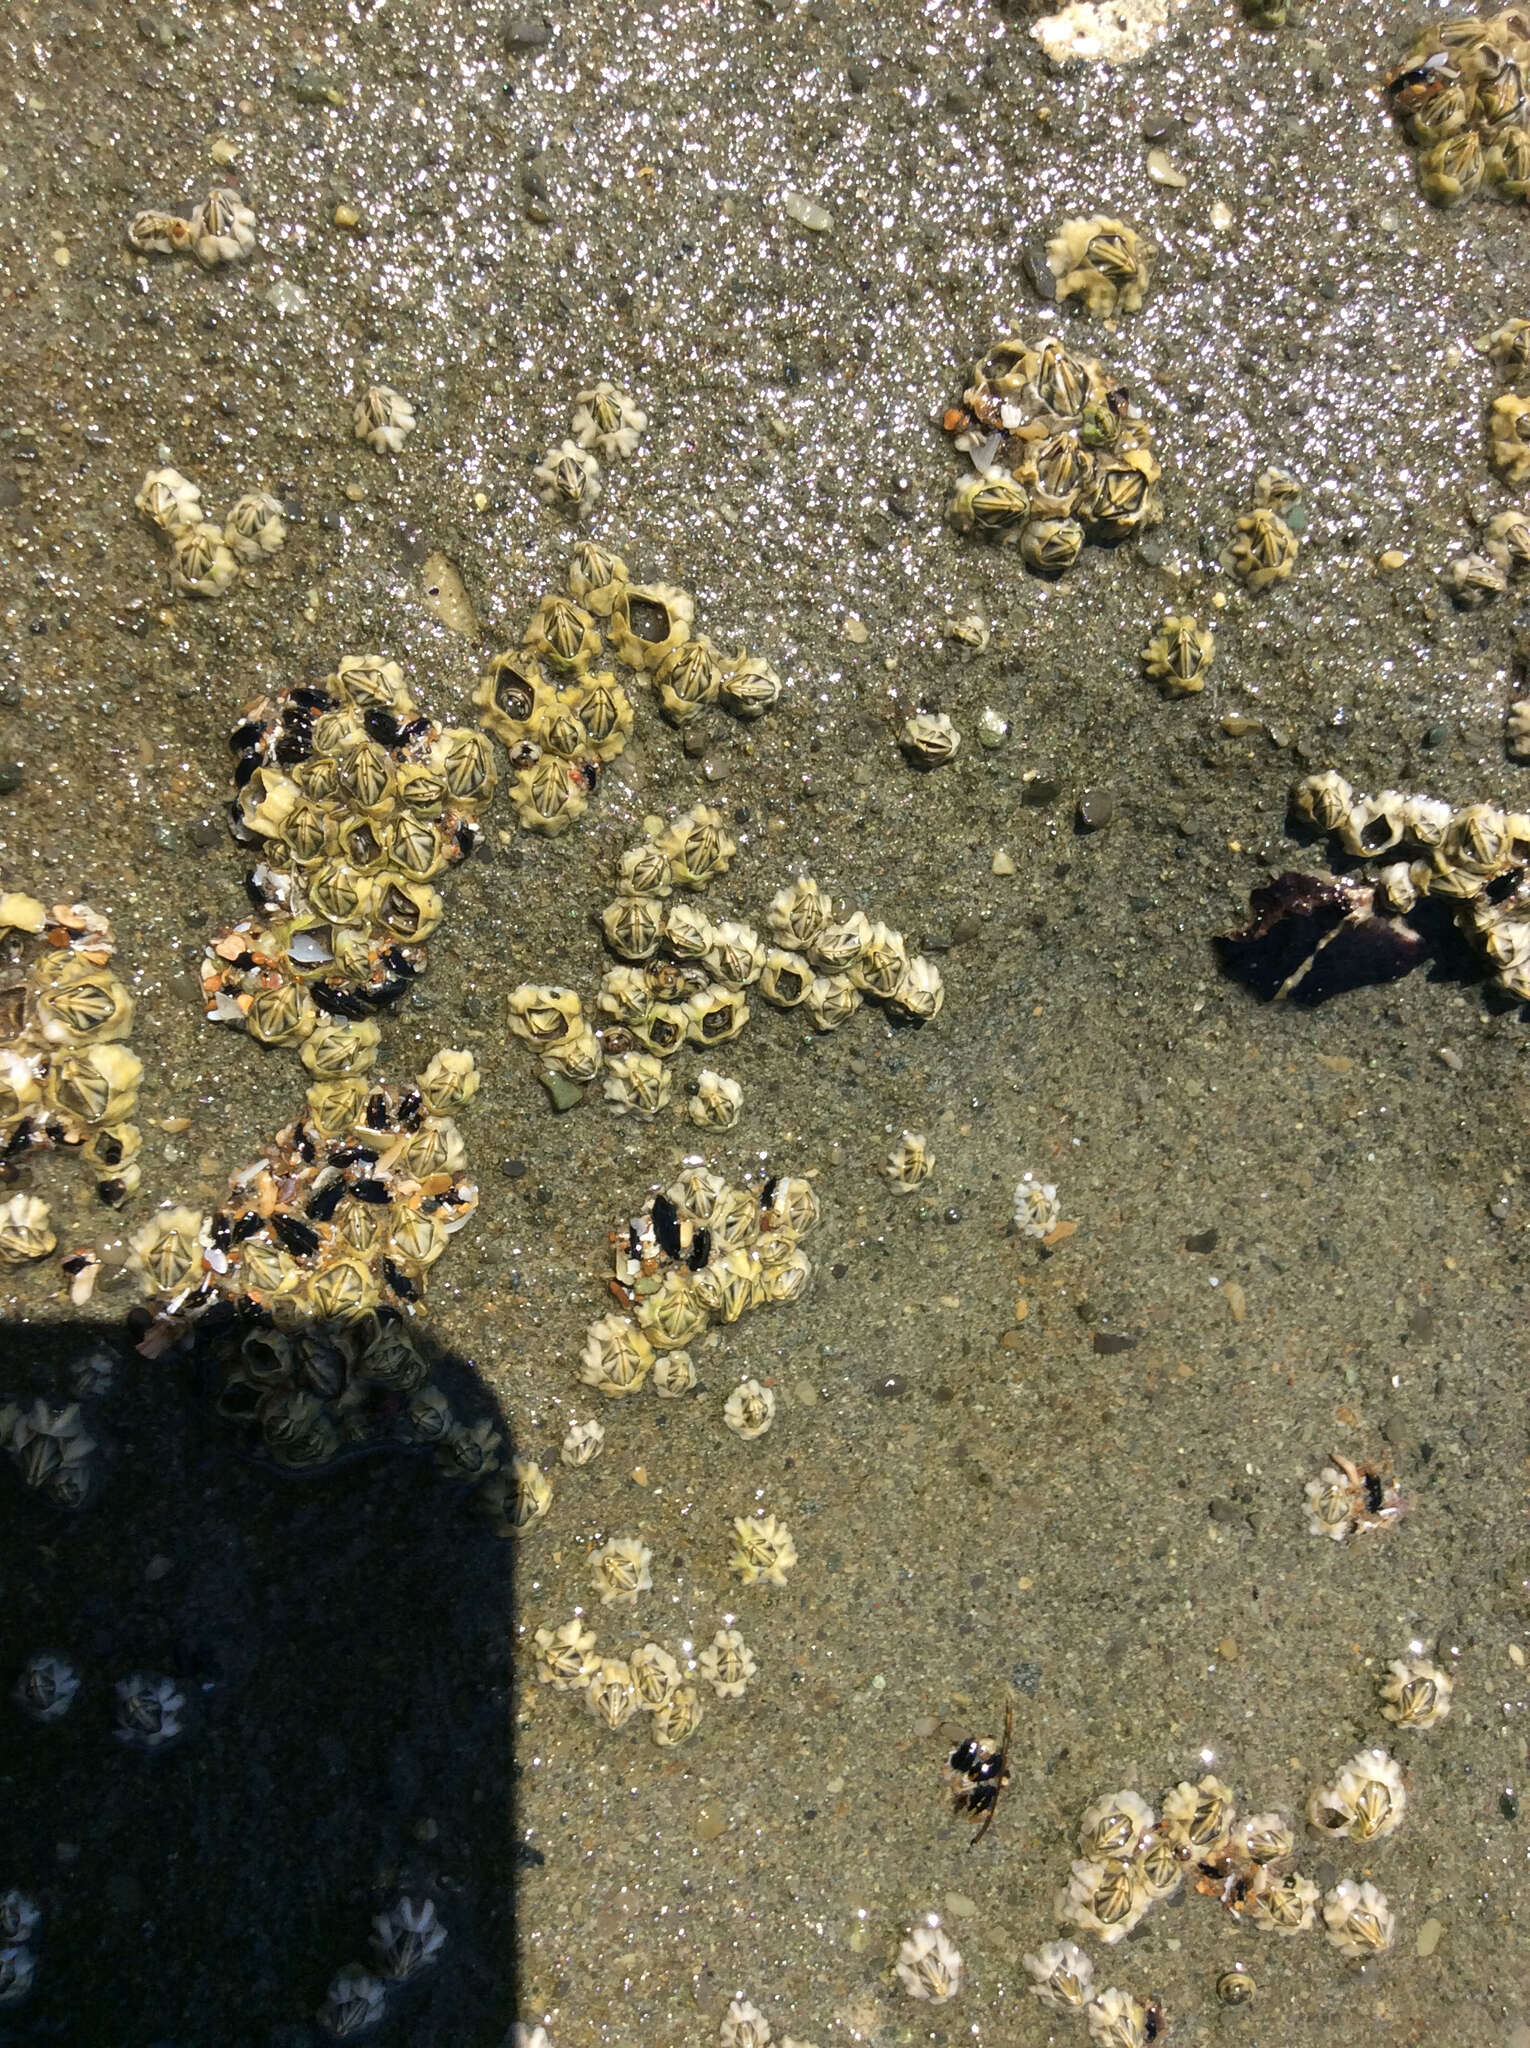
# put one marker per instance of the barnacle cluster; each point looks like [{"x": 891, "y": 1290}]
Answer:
[
  {"x": 53, "y": 1452},
  {"x": 358, "y": 804},
  {"x": 1059, "y": 458},
  {"x": 1477, "y": 858},
  {"x": 650, "y": 1680},
  {"x": 1264, "y": 544},
  {"x": 563, "y": 714},
  {"x": 19, "y": 1922},
  {"x": 407, "y": 1937},
  {"x": 607, "y": 426},
  {"x": 1460, "y": 96},
  {"x": 1103, "y": 262},
  {"x": 67, "y": 1078},
  {"x": 206, "y": 554},
  {"x": 221, "y": 230}
]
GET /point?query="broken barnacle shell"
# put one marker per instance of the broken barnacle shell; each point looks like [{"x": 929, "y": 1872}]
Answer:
[
  {"x": 636, "y": 1083},
  {"x": 1359, "y": 1921},
  {"x": 564, "y": 1659},
  {"x": 619, "y": 1570},
  {"x": 549, "y": 795},
  {"x": 763, "y": 1550},
  {"x": 785, "y": 978},
  {"x": 222, "y": 228},
  {"x": 1200, "y": 1816},
  {"x": 798, "y": 913},
  {"x": 172, "y": 502},
  {"x": 634, "y": 926},
  {"x": 616, "y": 1358},
  {"x": 1473, "y": 581},
  {"x": 353, "y": 2004},
  {"x": 1263, "y": 550},
  {"x": 407, "y": 1938},
  {"x": 748, "y": 686},
  {"x": 750, "y": 1410},
  {"x": 929, "y": 739},
  {"x": 1452, "y": 170},
  {"x": 203, "y": 564},
  {"x": 1103, "y": 262},
  {"x": 1113, "y": 1826},
  {"x": 989, "y": 502},
  {"x": 686, "y": 680},
  {"x": 929, "y": 1964},
  {"x": 715, "y": 1015},
  {"x": 832, "y": 1000},
  {"x": 149, "y": 1710},
  {"x": 607, "y": 420},
  {"x": 1509, "y": 437},
  {"x": 679, "y": 1717},
  {"x": 1050, "y": 547},
  {"x": 567, "y": 479},
  {"x": 25, "y": 1230},
  {"x": 383, "y": 418},
  {"x": 921, "y": 993},
  {"x": 46, "y": 1687},
  {"x": 1507, "y": 347},
  {"x": 1416, "y": 1692},
  {"x": 1062, "y": 1976},
  {"x": 649, "y": 621},
  {"x": 1366, "y": 1801},
  {"x": 1179, "y": 656},
  {"x": 581, "y": 1443},
  {"x": 674, "y": 1374},
  {"x": 159, "y": 234},
  {"x": 1285, "y": 1905},
  {"x": 255, "y": 526},
  {"x": 715, "y": 1101},
  {"x": 1373, "y": 825},
  {"x": 727, "y": 1664},
  {"x": 544, "y": 1016},
  {"x": 1103, "y": 1897},
  {"x": 655, "y": 1676},
  {"x": 698, "y": 846}
]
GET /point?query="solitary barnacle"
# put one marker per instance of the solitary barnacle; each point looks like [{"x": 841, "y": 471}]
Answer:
[
  {"x": 991, "y": 502},
  {"x": 1103, "y": 262},
  {"x": 353, "y": 2003},
  {"x": 1179, "y": 656},
  {"x": 727, "y": 1664},
  {"x": 1358, "y": 1919},
  {"x": 255, "y": 526},
  {"x": 1117, "y": 2020},
  {"x": 568, "y": 479},
  {"x": 620, "y": 1571},
  {"x": 1062, "y": 1976},
  {"x": 544, "y": 1016},
  {"x": 1114, "y": 1825},
  {"x": 929, "y": 739},
  {"x": 564, "y": 1659},
  {"x": 910, "y": 1162},
  {"x": 636, "y": 1083},
  {"x": 1287, "y": 1905},
  {"x": 1452, "y": 171},
  {"x": 1265, "y": 1838},
  {"x": 159, "y": 234},
  {"x": 1473, "y": 581},
  {"x": 929, "y": 1965},
  {"x": 616, "y": 1358},
  {"x": 1330, "y": 1504},
  {"x": 648, "y": 621},
  {"x": 763, "y": 1550},
  {"x": 383, "y": 419},
  {"x": 1104, "y": 1897},
  {"x": 1263, "y": 548},
  {"x": 25, "y": 1230},
  {"x": 1050, "y": 547},
  {"x": 606, "y": 420},
  {"x": 1366, "y": 1801},
  {"x": 582, "y": 1442},
  {"x": 222, "y": 228},
  {"x": 1416, "y": 1692},
  {"x": 698, "y": 847},
  {"x": 798, "y": 913},
  {"x": 1200, "y": 1816},
  {"x": 203, "y": 564},
  {"x": 1509, "y": 437},
  {"x": 674, "y": 1374},
  {"x": 1323, "y": 800},
  {"x": 750, "y": 1410},
  {"x": 170, "y": 500},
  {"x": 679, "y": 1717},
  {"x": 46, "y": 1687},
  {"x": 744, "y": 2027},
  {"x": 715, "y": 1101},
  {"x": 149, "y": 1711},
  {"x": 407, "y": 1938}
]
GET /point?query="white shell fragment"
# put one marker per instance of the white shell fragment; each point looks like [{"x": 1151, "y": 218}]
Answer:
[
  {"x": 383, "y": 419},
  {"x": 929, "y": 1965}
]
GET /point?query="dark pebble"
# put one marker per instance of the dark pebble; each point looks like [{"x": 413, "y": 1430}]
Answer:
[
  {"x": 893, "y": 1388},
  {"x": 1203, "y": 1241},
  {"x": 953, "y": 1215},
  {"x": 965, "y": 930},
  {"x": 1044, "y": 787},
  {"x": 1158, "y": 125},
  {"x": 1436, "y": 736},
  {"x": 1096, "y": 809},
  {"x": 857, "y": 74},
  {"x": 526, "y": 32},
  {"x": 1025, "y": 1677},
  {"x": 790, "y": 374},
  {"x": 1038, "y": 272},
  {"x": 205, "y": 832},
  {"x": 12, "y": 775},
  {"x": 694, "y": 743},
  {"x": 10, "y": 492},
  {"x": 1224, "y": 1510},
  {"x": 1508, "y": 1803},
  {"x": 514, "y": 1169},
  {"x": 1107, "y": 1343}
]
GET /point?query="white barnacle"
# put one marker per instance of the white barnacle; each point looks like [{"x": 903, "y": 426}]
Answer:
[
  {"x": 929, "y": 1965},
  {"x": 617, "y": 1357},
  {"x": 1117, "y": 2020},
  {"x": 1104, "y": 1897},
  {"x": 46, "y": 1687},
  {"x": 1062, "y": 1976},
  {"x": 636, "y": 1083},
  {"x": 159, "y": 234},
  {"x": 655, "y": 1676},
  {"x": 19, "y": 1917},
  {"x": 568, "y": 478},
  {"x": 607, "y": 420},
  {"x": 1360, "y": 1923},
  {"x": 255, "y": 526},
  {"x": 581, "y": 1443},
  {"x": 530, "y": 1490},
  {"x": 383, "y": 419},
  {"x": 18, "y": 1967},
  {"x": 1114, "y": 1825},
  {"x": 222, "y": 228},
  {"x": 674, "y": 1374},
  {"x": 25, "y": 1230},
  {"x": 1266, "y": 1838},
  {"x": 407, "y": 1938},
  {"x": 353, "y": 2003},
  {"x": 678, "y": 1719},
  {"x": 1330, "y": 1504},
  {"x": 610, "y": 1694},
  {"x": 921, "y": 993},
  {"x": 1366, "y": 1801},
  {"x": 1037, "y": 1209},
  {"x": 744, "y": 2027},
  {"x": 149, "y": 1710},
  {"x": 1416, "y": 1692},
  {"x": 204, "y": 565},
  {"x": 763, "y": 1550},
  {"x": 169, "y": 501},
  {"x": 1200, "y": 1816},
  {"x": 727, "y": 1664},
  {"x": 798, "y": 913},
  {"x": 565, "y": 1658},
  {"x": 929, "y": 739},
  {"x": 910, "y": 1162},
  {"x": 715, "y": 1102},
  {"x": 750, "y": 1410},
  {"x": 1287, "y": 1905},
  {"x": 620, "y": 1571}
]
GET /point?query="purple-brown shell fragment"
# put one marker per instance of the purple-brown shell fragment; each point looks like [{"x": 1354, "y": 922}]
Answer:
[{"x": 1314, "y": 936}]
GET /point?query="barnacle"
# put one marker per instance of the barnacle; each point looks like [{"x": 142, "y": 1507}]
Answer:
[
  {"x": 750, "y": 1409},
  {"x": 744, "y": 2027},
  {"x": 1509, "y": 437},
  {"x": 1114, "y": 1825},
  {"x": 255, "y": 526},
  {"x": 149, "y": 1710},
  {"x": 674, "y": 1374},
  {"x": 989, "y": 502},
  {"x": 549, "y": 796},
  {"x": 1366, "y": 1801},
  {"x": 564, "y": 1659},
  {"x": 1103, "y": 262},
  {"x": 170, "y": 500},
  {"x": 1287, "y": 1905},
  {"x": 789, "y": 1204},
  {"x": 607, "y": 420},
  {"x": 46, "y": 1687},
  {"x": 159, "y": 234},
  {"x": 634, "y": 926},
  {"x": 715, "y": 1101},
  {"x": 1323, "y": 800},
  {"x": 715, "y": 1015},
  {"x": 1358, "y": 1919},
  {"x": 1452, "y": 170},
  {"x": 222, "y": 228},
  {"x": 636, "y": 1083},
  {"x": 384, "y": 419},
  {"x": 1179, "y": 656},
  {"x": 610, "y": 1693},
  {"x": 353, "y": 2003},
  {"x": 1373, "y": 825},
  {"x": 1416, "y": 1692},
  {"x": 910, "y": 1162},
  {"x": 595, "y": 575},
  {"x": 605, "y": 714},
  {"x": 165, "y": 1254},
  {"x": 728, "y": 1664},
  {"x": 686, "y": 680},
  {"x": 568, "y": 478},
  {"x": 52, "y": 1450},
  {"x": 649, "y": 621},
  {"x": 1265, "y": 1838},
  {"x": 1200, "y": 1816},
  {"x": 698, "y": 1193},
  {"x": 837, "y": 948},
  {"x": 564, "y": 635},
  {"x": 1050, "y": 547},
  {"x": 832, "y": 1000},
  {"x": 407, "y": 1938},
  {"x": 698, "y": 847},
  {"x": 675, "y": 1312},
  {"x": 616, "y": 1358},
  {"x": 1507, "y": 541},
  {"x": 1473, "y": 581},
  {"x": 1103, "y": 1897},
  {"x": 679, "y": 1717},
  {"x": 748, "y": 686},
  {"x": 203, "y": 564},
  {"x": 763, "y": 1550},
  {"x": 25, "y": 1230},
  {"x": 798, "y": 913},
  {"x": 1117, "y": 2020},
  {"x": 1506, "y": 161},
  {"x": 1062, "y": 1976},
  {"x": 544, "y": 1016},
  {"x": 334, "y": 1048},
  {"x": 920, "y": 993},
  {"x": 881, "y": 964},
  {"x": 620, "y": 1571},
  {"x": 785, "y": 978},
  {"x": 530, "y": 1491},
  {"x": 929, "y": 1965},
  {"x": 1263, "y": 548},
  {"x": 929, "y": 739}
]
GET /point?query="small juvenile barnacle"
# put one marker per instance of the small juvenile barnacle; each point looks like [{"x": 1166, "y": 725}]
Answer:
[
  {"x": 203, "y": 564},
  {"x": 798, "y": 913},
  {"x": 698, "y": 846},
  {"x": 679, "y": 1717},
  {"x": 750, "y": 1409},
  {"x": 1416, "y": 1692},
  {"x": 1452, "y": 170},
  {"x": 1062, "y": 1976},
  {"x": 745, "y": 2026},
  {"x": 564, "y": 1656},
  {"x": 1114, "y": 1825},
  {"x": 1104, "y": 1897},
  {"x": 1366, "y": 1801},
  {"x": 910, "y": 1162},
  {"x": 832, "y": 1000},
  {"x": 607, "y": 420},
  {"x": 1200, "y": 1816},
  {"x": 1507, "y": 541},
  {"x": 407, "y": 1938},
  {"x": 582, "y": 1441},
  {"x": 929, "y": 1965},
  {"x": 1179, "y": 656},
  {"x": 1117, "y": 2020},
  {"x": 636, "y": 1083},
  {"x": 222, "y": 228},
  {"x": 616, "y": 1358},
  {"x": 989, "y": 502},
  {"x": 1509, "y": 437},
  {"x": 648, "y": 621},
  {"x": 46, "y": 1687},
  {"x": 567, "y": 479},
  {"x": 353, "y": 2004},
  {"x": 1473, "y": 581},
  {"x": 149, "y": 1710},
  {"x": 620, "y": 1571},
  {"x": 1263, "y": 548},
  {"x": 920, "y": 993},
  {"x": 1103, "y": 262},
  {"x": 544, "y": 1016},
  {"x": 674, "y": 1374},
  {"x": 1265, "y": 1838},
  {"x": 255, "y": 526},
  {"x": 763, "y": 1550},
  {"x": 171, "y": 501},
  {"x": 1359, "y": 1921},
  {"x": 1286, "y": 1905},
  {"x": 384, "y": 419},
  {"x": 728, "y": 1664},
  {"x": 25, "y": 1230},
  {"x": 715, "y": 1101},
  {"x": 929, "y": 739},
  {"x": 159, "y": 234}
]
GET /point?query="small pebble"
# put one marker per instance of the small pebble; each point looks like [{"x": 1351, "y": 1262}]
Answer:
[
  {"x": 1162, "y": 169},
  {"x": 807, "y": 213},
  {"x": 1203, "y": 1241},
  {"x": 1108, "y": 1343},
  {"x": 514, "y": 1169},
  {"x": 526, "y": 32},
  {"x": 1002, "y": 864},
  {"x": 1096, "y": 809},
  {"x": 12, "y": 775},
  {"x": 1038, "y": 272},
  {"x": 1449, "y": 1057},
  {"x": 1427, "y": 1940}
]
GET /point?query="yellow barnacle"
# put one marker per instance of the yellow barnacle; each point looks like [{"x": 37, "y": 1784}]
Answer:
[
  {"x": 283, "y": 1015},
  {"x": 649, "y": 621},
  {"x": 562, "y": 634},
  {"x": 96, "y": 1085},
  {"x": 549, "y": 796},
  {"x": 605, "y": 711},
  {"x": 87, "y": 1006}
]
